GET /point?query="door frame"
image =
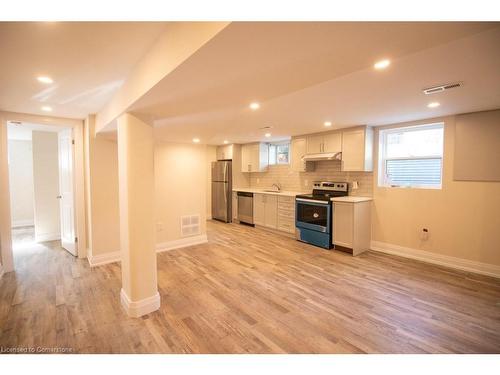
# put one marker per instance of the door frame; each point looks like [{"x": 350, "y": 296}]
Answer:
[{"x": 78, "y": 182}]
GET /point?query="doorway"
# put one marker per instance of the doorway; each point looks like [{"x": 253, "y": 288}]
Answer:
[{"x": 41, "y": 184}]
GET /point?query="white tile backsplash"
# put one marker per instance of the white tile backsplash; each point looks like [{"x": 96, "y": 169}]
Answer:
[{"x": 327, "y": 170}]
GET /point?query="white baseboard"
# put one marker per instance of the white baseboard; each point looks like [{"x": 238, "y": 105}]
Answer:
[
  {"x": 22, "y": 223},
  {"x": 181, "y": 242},
  {"x": 99, "y": 260},
  {"x": 47, "y": 237},
  {"x": 115, "y": 256},
  {"x": 139, "y": 308},
  {"x": 442, "y": 260}
]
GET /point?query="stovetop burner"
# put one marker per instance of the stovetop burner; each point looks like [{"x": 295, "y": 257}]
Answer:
[{"x": 325, "y": 190}]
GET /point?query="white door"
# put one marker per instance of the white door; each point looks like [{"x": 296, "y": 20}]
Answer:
[{"x": 66, "y": 206}]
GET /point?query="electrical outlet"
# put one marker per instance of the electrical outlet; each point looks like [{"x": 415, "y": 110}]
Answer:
[
  {"x": 424, "y": 235},
  {"x": 306, "y": 183},
  {"x": 159, "y": 226}
]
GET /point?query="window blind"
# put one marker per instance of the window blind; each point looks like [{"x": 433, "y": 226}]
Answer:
[{"x": 422, "y": 172}]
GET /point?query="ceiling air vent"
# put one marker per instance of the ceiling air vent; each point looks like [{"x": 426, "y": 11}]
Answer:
[{"x": 435, "y": 89}]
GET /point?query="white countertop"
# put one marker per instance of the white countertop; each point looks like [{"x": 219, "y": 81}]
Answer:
[
  {"x": 351, "y": 199},
  {"x": 348, "y": 199},
  {"x": 262, "y": 191}
]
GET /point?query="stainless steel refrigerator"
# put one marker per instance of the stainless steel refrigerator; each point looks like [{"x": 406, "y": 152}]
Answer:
[{"x": 221, "y": 191}]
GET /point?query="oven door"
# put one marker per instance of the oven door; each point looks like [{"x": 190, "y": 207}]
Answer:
[{"x": 313, "y": 214}]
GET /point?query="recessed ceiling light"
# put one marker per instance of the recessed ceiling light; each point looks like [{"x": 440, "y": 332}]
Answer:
[
  {"x": 267, "y": 135},
  {"x": 382, "y": 64},
  {"x": 433, "y": 105},
  {"x": 196, "y": 140},
  {"x": 46, "y": 108},
  {"x": 254, "y": 106},
  {"x": 327, "y": 123},
  {"x": 44, "y": 79},
  {"x": 226, "y": 142}
]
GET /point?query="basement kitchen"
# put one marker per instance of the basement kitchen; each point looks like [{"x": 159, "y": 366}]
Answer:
[{"x": 281, "y": 194}]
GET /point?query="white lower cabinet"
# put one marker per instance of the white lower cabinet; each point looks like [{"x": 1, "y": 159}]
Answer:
[
  {"x": 271, "y": 211},
  {"x": 259, "y": 209},
  {"x": 352, "y": 226},
  {"x": 235, "y": 206},
  {"x": 343, "y": 214},
  {"x": 286, "y": 214},
  {"x": 275, "y": 212}
]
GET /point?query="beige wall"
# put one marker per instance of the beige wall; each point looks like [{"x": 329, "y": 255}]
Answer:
[
  {"x": 46, "y": 185},
  {"x": 325, "y": 170},
  {"x": 463, "y": 217},
  {"x": 7, "y": 262},
  {"x": 101, "y": 169},
  {"x": 21, "y": 182},
  {"x": 180, "y": 187}
]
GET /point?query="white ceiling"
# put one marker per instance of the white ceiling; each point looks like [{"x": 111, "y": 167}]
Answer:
[
  {"x": 302, "y": 73},
  {"x": 88, "y": 62},
  {"x": 306, "y": 73}
]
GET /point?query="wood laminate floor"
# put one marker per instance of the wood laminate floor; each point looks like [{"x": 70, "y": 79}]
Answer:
[{"x": 251, "y": 291}]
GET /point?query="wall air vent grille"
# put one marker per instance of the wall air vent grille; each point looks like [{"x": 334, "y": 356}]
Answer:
[
  {"x": 190, "y": 225},
  {"x": 435, "y": 89}
]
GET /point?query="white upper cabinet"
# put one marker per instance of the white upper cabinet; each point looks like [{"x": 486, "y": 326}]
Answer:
[
  {"x": 332, "y": 142},
  {"x": 357, "y": 150},
  {"x": 315, "y": 144},
  {"x": 298, "y": 148},
  {"x": 225, "y": 152},
  {"x": 254, "y": 157},
  {"x": 326, "y": 142}
]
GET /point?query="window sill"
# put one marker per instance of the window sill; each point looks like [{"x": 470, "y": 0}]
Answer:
[{"x": 440, "y": 187}]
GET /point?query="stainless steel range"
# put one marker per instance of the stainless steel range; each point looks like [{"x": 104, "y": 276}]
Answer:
[{"x": 314, "y": 213}]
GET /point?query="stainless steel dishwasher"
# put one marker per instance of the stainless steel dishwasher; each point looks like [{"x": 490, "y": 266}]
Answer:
[{"x": 245, "y": 207}]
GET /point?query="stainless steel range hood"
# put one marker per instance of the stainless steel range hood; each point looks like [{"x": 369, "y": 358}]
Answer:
[{"x": 323, "y": 156}]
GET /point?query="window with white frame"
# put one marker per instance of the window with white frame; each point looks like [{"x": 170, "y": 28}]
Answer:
[
  {"x": 279, "y": 153},
  {"x": 411, "y": 156}
]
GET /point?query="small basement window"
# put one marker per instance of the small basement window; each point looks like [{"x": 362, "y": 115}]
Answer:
[
  {"x": 411, "y": 156},
  {"x": 279, "y": 153}
]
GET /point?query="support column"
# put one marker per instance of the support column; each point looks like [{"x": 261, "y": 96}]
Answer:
[{"x": 139, "y": 294}]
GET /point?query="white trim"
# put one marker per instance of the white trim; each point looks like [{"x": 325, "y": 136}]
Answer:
[
  {"x": 23, "y": 223},
  {"x": 139, "y": 308},
  {"x": 115, "y": 256},
  {"x": 47, "y": 237},
  {"x": 99, "y": 260},
  {"x": 181, "y": 242},
  {"x": 442, "y": 260}
]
